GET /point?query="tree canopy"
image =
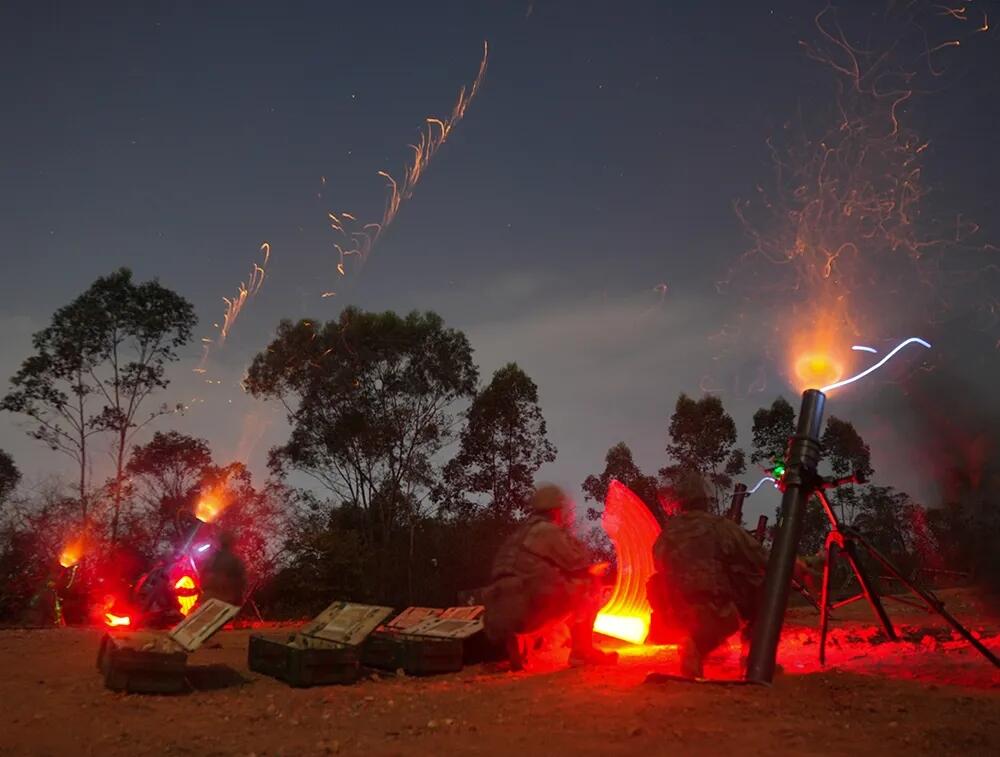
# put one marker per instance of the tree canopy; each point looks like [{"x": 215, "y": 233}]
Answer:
[{"x": 502, "y": 446}]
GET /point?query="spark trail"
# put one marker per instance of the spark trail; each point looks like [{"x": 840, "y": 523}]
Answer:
[{"x": 356, "y": 238}]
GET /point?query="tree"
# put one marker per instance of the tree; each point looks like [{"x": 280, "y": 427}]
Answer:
[
  {"x": 619, "y": 465},
  {"x": 165, "y": 477},
  {"x": 845, "y": 452},
  {"x": 502, "y": 446},
  {"x": 886, "y": 518},
  {"x": 109, "y": 346},
  {"x": 703, "y": 438},
  {"x": 10, "y": 476},
  {"x": 771, "y": 429},
  {"x": 370, "y": 400}
]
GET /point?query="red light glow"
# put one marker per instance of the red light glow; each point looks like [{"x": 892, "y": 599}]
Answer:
[{"x": 632, "y": 529}]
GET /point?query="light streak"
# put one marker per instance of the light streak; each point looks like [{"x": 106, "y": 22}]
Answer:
[
  {"x": 632, "y": 530},
  {"x": 202, "y": 547},
  {"x": 117, "y": 620},
  {"x": 879, "y": 364},
  {"x": 234, "y": 305},
  {"x": 862, "y": 348},
  {"x": 359, "y": 239},
  {"x": 760, "y": 484}
]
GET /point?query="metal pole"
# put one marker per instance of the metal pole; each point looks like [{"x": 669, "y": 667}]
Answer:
[
  {"x": 736, "y": 506},
  {"x": 799, "y": 482}
]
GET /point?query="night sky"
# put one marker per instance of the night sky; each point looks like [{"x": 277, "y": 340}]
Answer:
[{"x": 600, "y": 161}]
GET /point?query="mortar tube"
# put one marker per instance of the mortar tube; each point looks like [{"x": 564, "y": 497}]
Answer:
[{"x": 799, "y": 482}]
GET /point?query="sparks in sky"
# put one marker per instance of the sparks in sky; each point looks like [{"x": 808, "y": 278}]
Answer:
[
  {"x": 357, "y": 238},
  {"x": 862, "y": 348}
]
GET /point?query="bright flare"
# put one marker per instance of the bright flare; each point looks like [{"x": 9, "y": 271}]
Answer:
[
  {"x": 71, "y": 554},
  {"x": 116, "y": 621},
  {"x": 208, "y": 508}
]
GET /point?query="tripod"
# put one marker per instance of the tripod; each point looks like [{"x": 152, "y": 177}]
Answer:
[{"x": 846, "y": 541}]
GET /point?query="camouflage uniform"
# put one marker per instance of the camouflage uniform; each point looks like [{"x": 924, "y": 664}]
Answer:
[
  {"x": 541, "y": 575},
  {"x": 709, "y": 576},
  {"x": 224, "y": 576}
]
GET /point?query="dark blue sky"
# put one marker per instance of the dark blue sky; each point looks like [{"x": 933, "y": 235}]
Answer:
[{"x": 600, "y": 159}]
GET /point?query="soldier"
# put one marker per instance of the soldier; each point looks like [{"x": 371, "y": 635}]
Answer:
[
  {"x": 224, "y": 576},
  {"x": 543, "y": 574},
  {"x": 710, "y": 572}
]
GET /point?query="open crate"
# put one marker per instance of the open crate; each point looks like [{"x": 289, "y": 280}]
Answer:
[
  {"x": 423, "y": 640},
  {"x": 155, "y": 662},
  {"x": 325, "y": 651}
]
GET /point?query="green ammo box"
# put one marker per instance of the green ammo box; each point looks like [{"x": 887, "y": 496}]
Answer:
[
  {"x": 325, "y": 651},
  {"x": 151, "y": 662},
  {"x": 423, "y": 640}
]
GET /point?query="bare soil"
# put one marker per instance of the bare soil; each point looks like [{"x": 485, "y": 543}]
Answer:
[{"x": 928, "y": 694}]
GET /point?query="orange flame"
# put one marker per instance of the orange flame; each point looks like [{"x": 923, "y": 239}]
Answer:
[
  {"x": 188, "y": 597},
  {"x": 116, "y": 621},
  {"x": 71, "y": 553},
  {"x": 209, "y": 507},
  {"x": 632, "y": 529},
  {"x": 817, "y": 354}
]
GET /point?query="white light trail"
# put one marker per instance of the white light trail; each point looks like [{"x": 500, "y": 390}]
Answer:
[{"x": 879, "y": 364}]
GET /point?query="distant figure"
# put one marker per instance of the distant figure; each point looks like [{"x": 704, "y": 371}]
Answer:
[
  {"x": 541, "y": 575},
  {"x": 223, "y": 576},
  {"x": 710, "y": 573}
]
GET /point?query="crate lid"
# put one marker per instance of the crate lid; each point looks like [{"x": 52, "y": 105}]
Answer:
[
  {"x": 346, "y": 622},
  {"x": 465, "y": 612},
  {"x": 447, "y": 628},
  {"x": 411, "y": 616},
  {"x": 197, "y": 627}
]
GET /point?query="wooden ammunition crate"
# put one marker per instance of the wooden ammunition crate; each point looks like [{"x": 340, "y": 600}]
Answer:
[
  {"x": 142, "y": 663},
  {"x": 423, "y": 641},
  {"x": 150, "y": 662},
  {"x": 325, "y": 651}
]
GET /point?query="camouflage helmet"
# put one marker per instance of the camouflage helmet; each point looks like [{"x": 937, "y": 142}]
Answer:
[
  {"x": 547, "y": 498},
  {"x": 693, "y": 491}
]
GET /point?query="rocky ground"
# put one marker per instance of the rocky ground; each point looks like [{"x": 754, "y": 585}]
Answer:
[{"x": 929, "y": 694}]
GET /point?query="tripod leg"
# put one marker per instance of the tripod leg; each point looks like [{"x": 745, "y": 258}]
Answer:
[
  {"x": 824, "y": 603},
  {"x": 933, "y": 603},
  {"x": 870, "y": 594}
]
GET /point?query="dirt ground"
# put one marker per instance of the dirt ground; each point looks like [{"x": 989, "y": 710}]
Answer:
[{"x": 929, "y": 694}]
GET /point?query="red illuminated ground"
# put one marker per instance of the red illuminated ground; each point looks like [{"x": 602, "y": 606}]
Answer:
[{"x": 928, "y": 696}]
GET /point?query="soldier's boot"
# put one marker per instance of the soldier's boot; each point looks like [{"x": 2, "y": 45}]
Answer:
[
  {"x": 514, "y": 653},
  {"x": 692, "y": 665},
  {"x": 583, "y": 651}
]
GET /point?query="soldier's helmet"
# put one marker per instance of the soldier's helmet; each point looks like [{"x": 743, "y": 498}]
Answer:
[
  {"x": 547, "y": 498},
  {"x": 693, "y": 492}
]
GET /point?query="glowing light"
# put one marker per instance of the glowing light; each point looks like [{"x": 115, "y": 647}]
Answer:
[
  {"x": 862, "y": 348},
  {"x": 761, "y": 482},
  {"x": 209, "y": 507},
  {"x": 71, "y": 553},
  {"x": 633, "y": 630},
  {"x": 187, "y": 595},
  {"x": 817, "y": 368},
  {"x": 202, "y": 547},
  {"x": 116, "y": 621},
  {"x": 879, "y": 364},
  {"x": 632, "y": 530}
]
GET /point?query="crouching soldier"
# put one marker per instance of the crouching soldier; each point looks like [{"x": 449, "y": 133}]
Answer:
[
  {"x": 710, "y": 574},
  {"x": 224, "y": 576},
  {"x": 543, "y": 574}
]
